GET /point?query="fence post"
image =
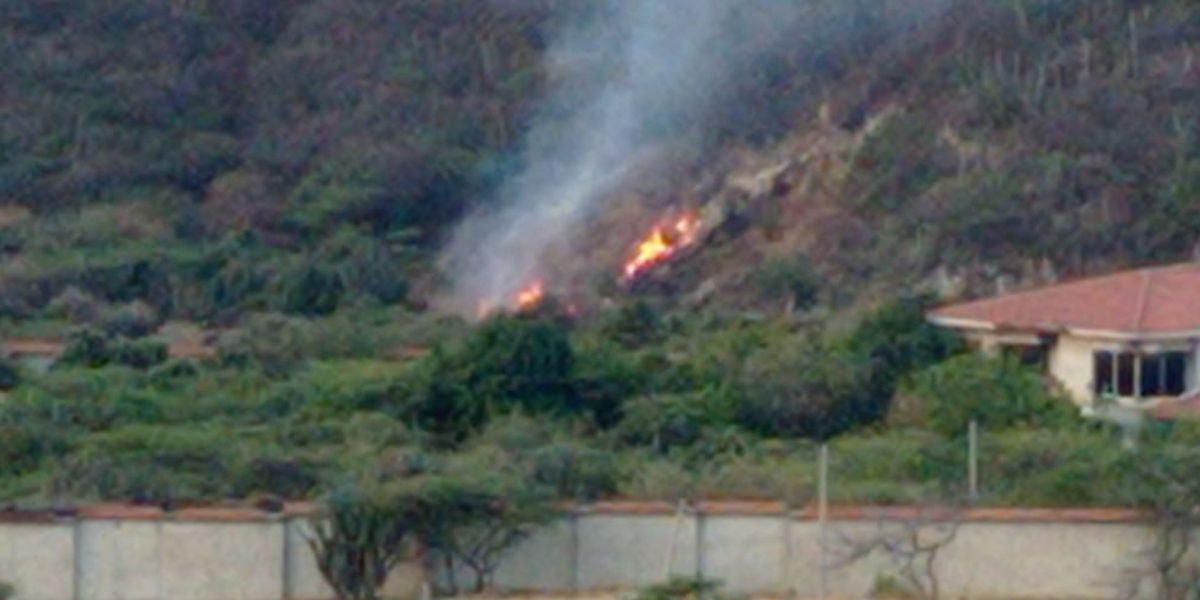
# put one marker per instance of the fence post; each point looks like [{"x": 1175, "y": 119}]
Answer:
[
  {"x": 973, "y": 461},
  {"x": 823, "y": 515},
  {"x": 574, "y": 521}
]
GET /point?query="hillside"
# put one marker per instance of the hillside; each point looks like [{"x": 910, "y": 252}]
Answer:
[
  {"x": 286, "y": 191},
  {"x": 212, "y": 158}
]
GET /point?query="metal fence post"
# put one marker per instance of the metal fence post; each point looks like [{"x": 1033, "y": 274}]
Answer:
[
  {"x": 973, "y": 461},
  {"x": 823, "y": 515}
]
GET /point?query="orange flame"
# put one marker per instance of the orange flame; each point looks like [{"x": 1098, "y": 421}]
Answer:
[
  {"x": 527, "y": 298},
  {"x": 530, "y": 296},
  {"x": 661, "y": 244}
]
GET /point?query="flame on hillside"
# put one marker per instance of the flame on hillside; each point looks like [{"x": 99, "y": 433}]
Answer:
[
  {"x": 526, "y": 299},
  {"x": 530, "y": 296},
  {"x": 661, "y": 244}
]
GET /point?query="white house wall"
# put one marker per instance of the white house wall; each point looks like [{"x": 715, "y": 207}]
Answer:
[{"x": 1072, "y": 364}]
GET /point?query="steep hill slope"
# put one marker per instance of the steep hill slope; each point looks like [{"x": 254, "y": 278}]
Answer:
[{"x": 209, "y": 158}]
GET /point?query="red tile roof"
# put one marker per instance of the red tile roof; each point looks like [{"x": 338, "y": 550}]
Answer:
[{"x": 1153, "y": 300}]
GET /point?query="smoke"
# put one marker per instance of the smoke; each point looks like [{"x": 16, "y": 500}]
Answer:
[{"x": 627, "y": 77}]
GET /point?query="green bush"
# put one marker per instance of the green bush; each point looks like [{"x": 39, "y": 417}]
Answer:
[
  {"x": 997, "y": 392},
  {"x": 88, "y": 348},
  {"x": 1056, "y": 468},
  {"x": 790, "y": 479},
  {"x": 665, "y": 422},
  {"x": 10, "y": 375},
  {"x": 604, "y": 375},
  {"x": 790, "y": 279},
  {"x": 804, "y": 390},
  {"x": 896, "y": 466},
  {"x": 133, "y": 320},
  {"x": 138, "y": 354},
  {"x": 311, "y": 291},
  {"x": 150, "y": 463},
  {"x": 682, "y": 588}
]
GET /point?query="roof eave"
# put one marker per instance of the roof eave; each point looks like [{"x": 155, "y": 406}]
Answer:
[{"x": 960, "y": 323}]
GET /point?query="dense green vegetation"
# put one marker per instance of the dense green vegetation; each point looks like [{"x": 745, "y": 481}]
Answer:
[
  {"x": 703, "y": 408},
  {"x": 283, "y": 174}
]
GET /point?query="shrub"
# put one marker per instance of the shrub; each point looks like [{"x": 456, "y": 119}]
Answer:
[
  {"x": 574, "y": 470},
  {"x": 7, "y": 590},
  {"x": 998, "y": 392},
  {"x": 891, "y": 343},
  {"x": 682, "y": 588},
  {"x": 790, "y": 479},
  {"x": 664, "y": 422},
  {"x": 86, "y": 347},
  {"x": 790, "y": 279},
  {"x": 339, "y": 387},
  {"x": 604, "y": 375},
  {"x": 804, "y": 390},
  {"x": 895, "y": 467},
  {"x": 633, "y": 324},
  {"x": 518, "y": 362},
  {"x": 1060, "y": 468},
  {"x": 149, "y": 463},
  {"x": 174, "y": 369},
  {"x": 74, "y": 304},
  {"x": 657, "y": 478},
  {"x": 139, "y": 354},
  {"x": 133, "y": 320},
  {"x": 10, "y": 375},
  {"x": 311, "y": 291}
]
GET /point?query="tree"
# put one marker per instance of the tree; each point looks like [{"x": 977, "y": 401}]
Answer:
[
  {"x": 359, "y": 537},
  {"x": 912, "y": 543},
  {"x": 805, "y": 390},
  {"x": 997, "y": 392},
  {"x": 472, "y": 516},
  {"x": 1161, "y": 478}
]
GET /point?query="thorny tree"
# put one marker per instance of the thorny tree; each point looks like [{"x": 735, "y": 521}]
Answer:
[
  {"x": 357, "y": 540},
  {"x": 910, "y": 540},
  {"x": 1163, "y": 481},
  {"x": 473, "y": 517}
]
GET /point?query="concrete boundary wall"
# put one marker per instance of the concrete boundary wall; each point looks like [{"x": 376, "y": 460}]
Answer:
[
  {"x": 766, "y": 549},
  {"x": 115, "y": 552}
]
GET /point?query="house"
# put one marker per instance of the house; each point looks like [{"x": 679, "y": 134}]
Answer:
[{"x": 1132, "y": 335}]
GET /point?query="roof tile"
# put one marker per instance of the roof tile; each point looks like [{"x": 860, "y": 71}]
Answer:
[{"x": 1151, "y": 300}]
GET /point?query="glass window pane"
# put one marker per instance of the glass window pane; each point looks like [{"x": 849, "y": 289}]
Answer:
[
  {"x": 1125, "y": 374},
  {"x": 1175, "y": 371},
  {"x": 1152, "y": 372},
  {"x": 1103, "y": 370}
]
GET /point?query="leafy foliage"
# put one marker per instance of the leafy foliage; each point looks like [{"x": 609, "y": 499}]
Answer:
[
  {"x": 996, "y": 392},
  {"x": 357, "y": 542}
]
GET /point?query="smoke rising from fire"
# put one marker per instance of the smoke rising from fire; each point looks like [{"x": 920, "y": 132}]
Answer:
[{"x": 627, "y": 77}]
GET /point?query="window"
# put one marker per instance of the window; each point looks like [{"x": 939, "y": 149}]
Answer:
[
  {"x": 1164, "y": 374},
  {"x": 1160, "y": 374},
  {"x": 1125, "y": 369},
  {"x": 1030, "y": 356},
  {"x": 1103, "y": 370}
]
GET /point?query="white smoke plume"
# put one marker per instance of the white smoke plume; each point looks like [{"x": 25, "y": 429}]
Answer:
[{"x": 627, "y": 76}]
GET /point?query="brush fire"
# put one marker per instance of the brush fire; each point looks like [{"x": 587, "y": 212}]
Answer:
[
  {"x": 530, "y": 296},
  {"x": 661, "y": 244}
]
